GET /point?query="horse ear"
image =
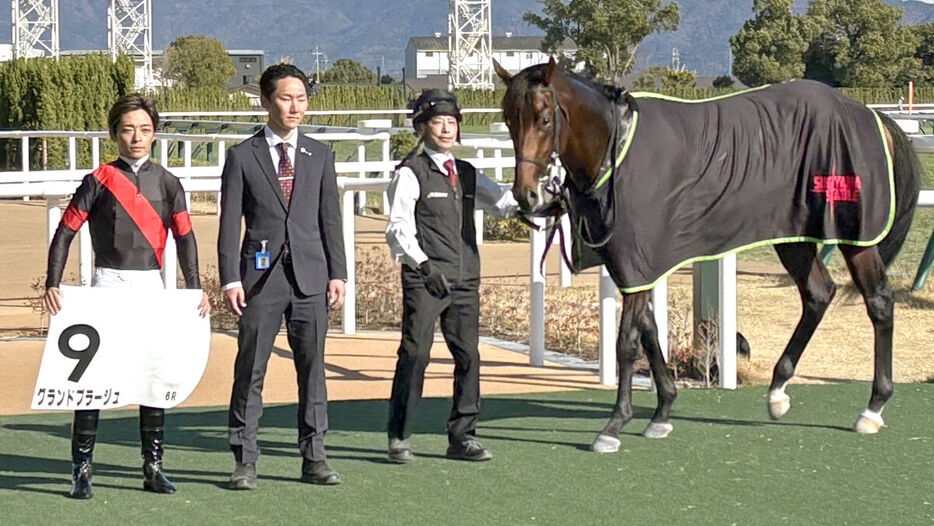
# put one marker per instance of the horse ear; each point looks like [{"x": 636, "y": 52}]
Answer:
[
  {"x": 549, "y": 70},
  {"x": 503, "y": 74}
]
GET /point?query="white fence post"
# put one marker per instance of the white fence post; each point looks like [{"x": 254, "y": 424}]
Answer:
[
  {"x": 477, "y": 213},
  {"x": 660, "y": 311},
  {"x": 386, "y": 173},
  {"x": 537, "y": 295},
  {"x": 727, "y": 332},
  {"x": 95, "y": 152},
  {"x": 221, "y": 160},
  {"x": 24, "y": 161},
  {"x": 72, "y": 154},
  {"x": 85, "y": 260},
  {"x": 608, "y": 332},
  {"x": 565, "y": 248},
  {"x": 187, "y": 164},
  {"x": 53, "y": 216},
  {"x": 361, "y": 195},
  {"x": 350, "y": 288},
  {"x": 169, "y": 263}
]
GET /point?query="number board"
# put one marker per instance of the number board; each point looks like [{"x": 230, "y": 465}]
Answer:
[{"x": 112, "y": 347}]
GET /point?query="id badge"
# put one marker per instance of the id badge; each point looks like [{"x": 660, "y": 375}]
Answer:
[{"x": 262, "y": 258}]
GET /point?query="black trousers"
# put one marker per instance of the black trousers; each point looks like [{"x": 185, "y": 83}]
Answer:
[
  {"x": 307, "y": 323},
  {"x": 460, "y": 313}
]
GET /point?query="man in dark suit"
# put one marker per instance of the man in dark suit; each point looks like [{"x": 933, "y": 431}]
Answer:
[{"x": 291, "y": 262}]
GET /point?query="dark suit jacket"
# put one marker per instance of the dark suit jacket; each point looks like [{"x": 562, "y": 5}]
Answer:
[{"x": 310, "y": 224}]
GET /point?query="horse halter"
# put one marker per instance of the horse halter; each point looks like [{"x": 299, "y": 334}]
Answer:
[{"x": 552, "y": 185}]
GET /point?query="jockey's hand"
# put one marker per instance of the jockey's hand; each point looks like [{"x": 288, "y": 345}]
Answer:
[
  {"x": 52, "y": 300},
  {"x": 236, "y": 300},
  {"x": 204, "y": 308},
  {"x": 336, "y": 291},
  {"x": 435, "y": 281}
]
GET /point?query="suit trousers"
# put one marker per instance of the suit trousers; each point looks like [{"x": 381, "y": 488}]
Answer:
[
  {"x": 459, "y": 312},
  {"x": 306, "y": 323}
]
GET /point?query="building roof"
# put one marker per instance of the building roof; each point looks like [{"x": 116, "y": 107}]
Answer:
[{"x": 500, "y": 43}]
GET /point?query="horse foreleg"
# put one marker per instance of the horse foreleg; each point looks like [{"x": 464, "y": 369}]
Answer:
[
  {"x": 868, "y": 273},
  {"x": 627, "y": 348},
  {"x": 817, "y": 290}
]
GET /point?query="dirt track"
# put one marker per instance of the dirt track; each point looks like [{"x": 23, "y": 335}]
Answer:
[{"x": 768, "y": 311}]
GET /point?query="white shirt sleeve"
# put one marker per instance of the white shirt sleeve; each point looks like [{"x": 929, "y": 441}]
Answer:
[
  {"x": 404, "y": 191},
  {"x": 493, "y": 198}
]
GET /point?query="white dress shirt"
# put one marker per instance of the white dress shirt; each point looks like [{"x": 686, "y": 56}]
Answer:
[
  {"x": 135, "y": 164},
  {"x": 273, "y": 141},
  {"x": 404, "y": 192}
]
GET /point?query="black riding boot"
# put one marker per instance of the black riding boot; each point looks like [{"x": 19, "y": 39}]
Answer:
[
  {"x": 83, "y": 435},
  {"x": 151, "y": 420}
]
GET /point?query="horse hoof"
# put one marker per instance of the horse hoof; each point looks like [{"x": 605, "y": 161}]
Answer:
[
  {"x": 657, "y": 430},
  {"x": 605, "y": 444},
  {"x": 868, "y": 423},
  {"x": 779, "y": 405}
]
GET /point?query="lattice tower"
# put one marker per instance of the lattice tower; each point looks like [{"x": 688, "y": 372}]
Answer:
[
  {"x": 130, "y": 31},
  {"x": 470, "y": 44},
  {"x": 35, "y": 28}
]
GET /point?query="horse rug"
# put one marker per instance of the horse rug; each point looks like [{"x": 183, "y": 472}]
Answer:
[{"x": 697, "y": 180}]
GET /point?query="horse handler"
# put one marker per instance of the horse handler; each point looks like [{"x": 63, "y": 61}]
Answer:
[
  {"x": 431, "y": 232},
  {"x": 130, "y": 204}
]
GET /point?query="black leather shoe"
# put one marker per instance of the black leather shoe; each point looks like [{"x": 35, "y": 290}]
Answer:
[
  {"x": 243, "y": 476},
  {"x": 318, "y": 472},
  {"x": 470, "y": 449},
  {"x": 154, "y": 479},
  {"x": 400, "y": 451},
  {"x": 81, "y": 481}
]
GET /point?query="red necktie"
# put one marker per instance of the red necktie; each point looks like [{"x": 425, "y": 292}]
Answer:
[
  {"x": 286, "y": 172},
  {"x": 452, "y": 175}
]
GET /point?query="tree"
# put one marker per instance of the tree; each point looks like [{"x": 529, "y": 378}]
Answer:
[
  {"x": 723, "y": 82},
  {"x": 770, "y": 47},
  {"x": 859, "y": 43},
  {"x": 674, "y": 79},
  {"x": 924, "y": 34},
  {"x": 347, "y": 71},
  {"x": 196, "y": 61},
  {"x": 387, "y": 79},
  {"x": 607, "y": 32}
]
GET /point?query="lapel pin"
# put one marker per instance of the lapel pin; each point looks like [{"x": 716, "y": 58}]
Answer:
[{"x": 304, "y": 151}]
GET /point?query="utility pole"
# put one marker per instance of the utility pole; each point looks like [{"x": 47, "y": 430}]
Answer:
[{"x": 318, "y": 56}]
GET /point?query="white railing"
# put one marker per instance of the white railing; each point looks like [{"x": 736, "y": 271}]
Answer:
[{"x": 55, "y": 184}]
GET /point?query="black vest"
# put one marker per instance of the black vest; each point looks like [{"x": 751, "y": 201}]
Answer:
[{"x": 444, "y": 220}]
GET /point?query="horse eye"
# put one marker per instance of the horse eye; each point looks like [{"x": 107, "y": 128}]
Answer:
[{"x": 546, "y": 121}]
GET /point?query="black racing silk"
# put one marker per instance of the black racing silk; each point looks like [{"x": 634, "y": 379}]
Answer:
[{"x": 697, "y": 180}]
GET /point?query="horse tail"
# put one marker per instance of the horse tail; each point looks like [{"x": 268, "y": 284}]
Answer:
[{"x": 908, "y": 173}]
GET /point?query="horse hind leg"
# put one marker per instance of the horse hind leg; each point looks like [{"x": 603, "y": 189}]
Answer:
[
  {"x": 627, "y": 349},
  {"x": 868, "y": 271},
  {"x": 817, "y": 290},
  {"x": 660, "y": 426}
]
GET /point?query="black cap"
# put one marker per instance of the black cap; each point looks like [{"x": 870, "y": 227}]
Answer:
[{"x": 434, "y": 102}]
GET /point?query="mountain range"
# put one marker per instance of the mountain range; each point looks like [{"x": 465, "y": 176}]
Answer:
[{"x": 375, "y": 32}]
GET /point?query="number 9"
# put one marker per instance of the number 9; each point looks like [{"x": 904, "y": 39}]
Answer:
[{"x": 85, "y": 356}]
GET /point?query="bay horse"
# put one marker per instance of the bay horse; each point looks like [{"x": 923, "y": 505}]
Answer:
[{"x": 653, "y": 183}]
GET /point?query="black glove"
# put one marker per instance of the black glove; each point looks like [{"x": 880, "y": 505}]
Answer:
[{"x": 435, "y": 281}]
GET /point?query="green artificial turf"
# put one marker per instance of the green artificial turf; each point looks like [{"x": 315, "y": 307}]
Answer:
[{"x": 725, "y": 463}]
